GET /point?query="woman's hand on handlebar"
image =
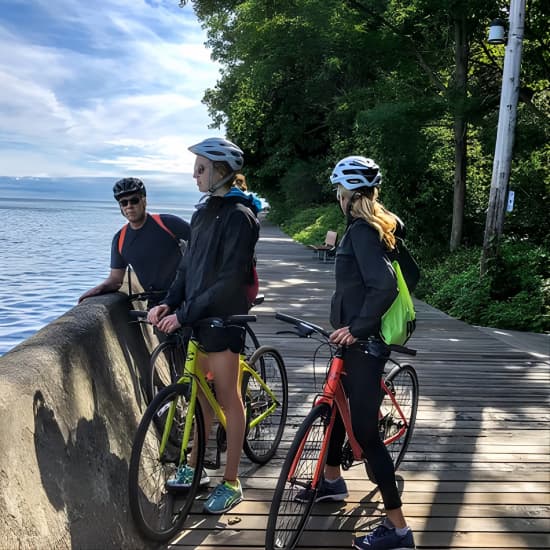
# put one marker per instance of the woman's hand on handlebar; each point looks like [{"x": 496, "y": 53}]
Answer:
[
  {"x": 157, "y": 313},
  {"x": 169, "y": 323},
  {"x": 343, "y": 337}
]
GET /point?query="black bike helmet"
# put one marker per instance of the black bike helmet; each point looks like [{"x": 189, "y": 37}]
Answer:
[{"x": 125, "y": 186}]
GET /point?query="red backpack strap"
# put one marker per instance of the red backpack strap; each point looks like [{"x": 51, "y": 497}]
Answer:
[
  {"x": 158, "y": 219},
  {"x": 121, "y": 238}
]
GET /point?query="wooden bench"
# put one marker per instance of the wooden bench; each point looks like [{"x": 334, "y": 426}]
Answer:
[{"x": 326, "y": 250}]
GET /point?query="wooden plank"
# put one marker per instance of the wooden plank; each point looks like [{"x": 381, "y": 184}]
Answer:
[{"x": 477, "y": 474}]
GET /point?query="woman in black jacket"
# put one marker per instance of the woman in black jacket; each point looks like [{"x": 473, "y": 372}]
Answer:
[
  {"x": 365, "y": 288},
  {"x": 212, "y": 281}
]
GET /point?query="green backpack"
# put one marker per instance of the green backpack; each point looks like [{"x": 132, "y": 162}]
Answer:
[{"x": 398, "y": 323}]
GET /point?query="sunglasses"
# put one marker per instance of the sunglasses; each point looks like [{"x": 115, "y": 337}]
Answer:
[{"x": 132, "y": 200}]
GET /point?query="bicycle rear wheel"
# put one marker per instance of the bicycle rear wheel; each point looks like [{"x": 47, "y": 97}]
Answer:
[
  {"x": 307, "y": 455},
  {"x": 167, "y": 363},
  {"x": 402, "y": 383},
  {"x": 262, "y": 440},
  {"x": 157, "y": 510}
]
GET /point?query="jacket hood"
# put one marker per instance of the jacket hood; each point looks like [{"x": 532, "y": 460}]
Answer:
[{"x": 247, "y": 199}]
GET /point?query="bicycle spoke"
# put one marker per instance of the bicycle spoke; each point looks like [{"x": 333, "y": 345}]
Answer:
[
  {"x": 265, "y": 399},
  {"x": 157, "y": 511},
  {"x": 295, "y": 495},
  {"x": 397, "y": 418}
]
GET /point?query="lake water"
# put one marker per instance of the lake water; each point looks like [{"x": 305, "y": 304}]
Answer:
[{"x": 51, "y": 251}]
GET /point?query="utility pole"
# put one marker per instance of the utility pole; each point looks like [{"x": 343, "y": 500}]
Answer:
[{"x": 505, "y": 135}]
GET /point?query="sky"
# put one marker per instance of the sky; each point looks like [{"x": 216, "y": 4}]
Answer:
[{"x": 101, "y": 88}]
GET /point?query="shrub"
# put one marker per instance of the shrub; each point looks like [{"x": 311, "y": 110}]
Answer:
[{"x": 515, "y": 295}]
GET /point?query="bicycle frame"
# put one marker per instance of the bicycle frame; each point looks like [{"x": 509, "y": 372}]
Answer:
[
  {"x": 199, "y": 381},
  {"x": 333, "y": 392}
]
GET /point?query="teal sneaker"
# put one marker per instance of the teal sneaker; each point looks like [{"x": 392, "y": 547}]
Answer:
[
  {"x": 223, "y": 498},
  {"x": 183, "y": 478}
]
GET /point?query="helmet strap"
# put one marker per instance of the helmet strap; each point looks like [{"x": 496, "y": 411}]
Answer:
[{"x": 213, "y": 187}]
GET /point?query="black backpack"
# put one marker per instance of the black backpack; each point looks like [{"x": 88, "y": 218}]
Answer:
[{"x": 408, "y": 265}]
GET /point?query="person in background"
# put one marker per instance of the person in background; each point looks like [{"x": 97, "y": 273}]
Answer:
[
  {"x": 213, "y": 281},
  {"x": 151, "y": 244},
  {"x": 239, "y": 188},
  {"x": 365, "y": 288},
  {"x": 240, "y": 182}
]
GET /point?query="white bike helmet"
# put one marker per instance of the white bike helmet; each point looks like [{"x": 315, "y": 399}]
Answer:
[
  {"x": 220, "y": 149},
  {"x": 354, "y": 172}
]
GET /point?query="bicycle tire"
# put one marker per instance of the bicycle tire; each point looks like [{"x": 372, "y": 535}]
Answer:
[
  {"x": 166, "y": 366},
  {"x": 403, "y": 383},
  {"x": 158, "y": 511},
  {"x": 251, "y": 343},
  {"x": 261, "y": 441},
  {"x": 287, "y": 516}
]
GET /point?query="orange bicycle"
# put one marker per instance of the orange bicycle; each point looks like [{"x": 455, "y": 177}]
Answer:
[{"x": 303, "y": 468}]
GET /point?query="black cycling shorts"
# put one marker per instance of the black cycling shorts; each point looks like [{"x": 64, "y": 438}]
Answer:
[{"x": 213, "y": 339}]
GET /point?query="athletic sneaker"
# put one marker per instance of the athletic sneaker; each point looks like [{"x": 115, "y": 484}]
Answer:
[
  {"x": 223, "y": 498},
  {"x": 183, "y": 478},
  {"x": 335, "y": 490},
  {"x": 383, "y": 538}
]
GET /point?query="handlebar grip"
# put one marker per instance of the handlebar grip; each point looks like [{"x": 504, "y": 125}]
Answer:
[
  {"x": 138, "y": 314},
  {"x": 287, "y": 318},
  {"x": 402, "y": 349}
]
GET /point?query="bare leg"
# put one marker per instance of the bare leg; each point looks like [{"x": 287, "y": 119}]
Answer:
[
  {"x": 332, "y": 472},
  {"x": 224, "y": 365},
  {"x": 207, "y": 411},
  {"x": 397, "y": 518}
]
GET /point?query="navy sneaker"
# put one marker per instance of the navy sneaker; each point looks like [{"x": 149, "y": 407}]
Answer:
[
  {"x": 383, "y": 538},
  {"x": 335, "y": 491}
]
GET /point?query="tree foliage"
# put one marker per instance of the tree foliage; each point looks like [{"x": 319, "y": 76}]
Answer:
[{"x": 306, "y": 82}]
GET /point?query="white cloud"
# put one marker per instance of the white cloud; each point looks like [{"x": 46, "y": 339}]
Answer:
[{"x": 97, "y": 88}]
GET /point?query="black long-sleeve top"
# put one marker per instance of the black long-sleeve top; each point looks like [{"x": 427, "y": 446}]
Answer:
[
  {"x": 365, "y": 281},
  {"x": 215, "y": 270}
]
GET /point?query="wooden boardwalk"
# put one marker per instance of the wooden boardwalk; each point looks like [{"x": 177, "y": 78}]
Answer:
[{"x": 476, "y": 475}]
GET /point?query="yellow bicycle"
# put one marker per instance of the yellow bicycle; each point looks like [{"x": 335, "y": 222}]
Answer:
[{"x": 173, "y": 426}]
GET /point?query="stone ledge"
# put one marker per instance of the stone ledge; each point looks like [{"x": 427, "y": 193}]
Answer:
[{"x": 69, "y": 406}]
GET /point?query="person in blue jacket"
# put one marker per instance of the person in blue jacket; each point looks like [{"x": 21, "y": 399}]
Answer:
[{"x": 212, "y": 281}]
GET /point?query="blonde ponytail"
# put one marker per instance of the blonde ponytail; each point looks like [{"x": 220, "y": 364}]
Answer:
[{"x": 365, "y": 205}]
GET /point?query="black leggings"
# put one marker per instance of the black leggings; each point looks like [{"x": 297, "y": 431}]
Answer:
[{"x": 362, "y": 386}]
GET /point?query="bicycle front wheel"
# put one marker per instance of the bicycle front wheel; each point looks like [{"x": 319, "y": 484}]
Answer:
[
  {"x": 251, "y": 343},
  {"x": 167, "y": 363},
  {"x": 403, "y": 385},
  {"x": 158, "y": 511},
  {"x": 295, "y": 492},
  {"x": 266, "y": 404}
]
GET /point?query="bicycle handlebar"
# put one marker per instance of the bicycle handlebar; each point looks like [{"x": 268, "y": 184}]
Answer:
[
  {"x": 304, "y": 329},
  {"x": 211, "y": 321}
]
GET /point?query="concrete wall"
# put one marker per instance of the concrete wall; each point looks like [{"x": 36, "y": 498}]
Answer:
[{"x": 70, "y": 401}]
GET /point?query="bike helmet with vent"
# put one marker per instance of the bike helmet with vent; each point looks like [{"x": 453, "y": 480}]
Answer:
[
  {"x": 126, "y": 186},
  {"x": 354, "y": 172},
  {"x": 220, "y": 149}
]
